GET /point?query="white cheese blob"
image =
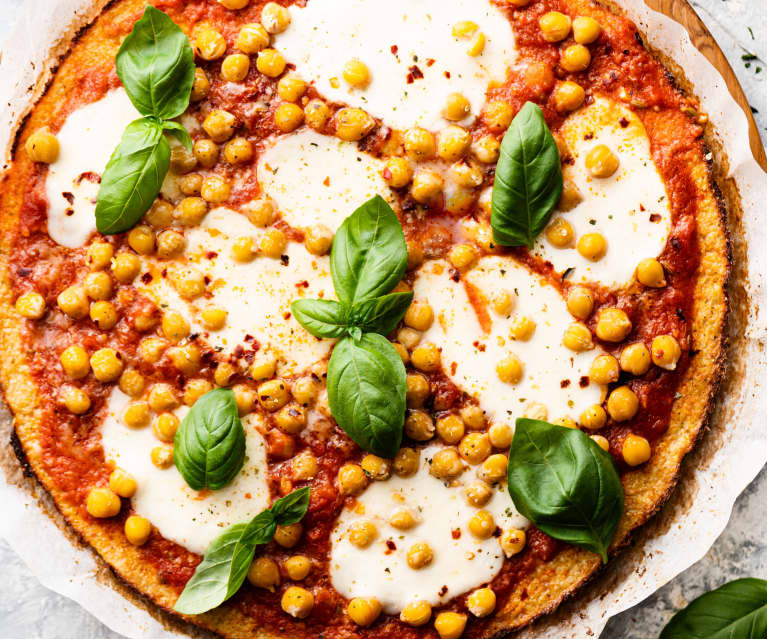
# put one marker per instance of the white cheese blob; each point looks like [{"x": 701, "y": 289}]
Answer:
[
  {"x": 256, "y": 294},
  {"x": 470, "y": 353},
  {"x": 190, "y": 518},
  {"x": 618, "y": 207},
  {"x": 318, "y": 179},
  {"x": 461, "y": 561},
  {"x": 398, "y": 40}
]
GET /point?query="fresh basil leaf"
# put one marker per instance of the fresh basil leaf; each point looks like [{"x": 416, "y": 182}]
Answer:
[
  {"x": 209, "y": 447},
  {"x": 179, "y": 132},
  {"x": 381, "y": 314},
  {"x": 565, "y": 484},
  {"x": 292, "y": 507},
  {"x": 156, "y": 66},
  {"x": 737, "y": 610},
  {"x": 366, "y": 392},
  {"x": 225, "y": 565},
  {"x": 528, "y": 180},
  {"x": 133, "y": 176},
  {"x": 322, "y": 318},
  {"x": 369, "y": 254}
]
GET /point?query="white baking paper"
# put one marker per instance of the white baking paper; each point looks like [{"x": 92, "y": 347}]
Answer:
[{"x": 730, "y": 456}]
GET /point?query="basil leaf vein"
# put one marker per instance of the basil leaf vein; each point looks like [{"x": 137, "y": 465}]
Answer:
[
  {"x": 565, "y": 484},
  {"x": 133, "y": 176},
  {"x": 736, "y": 610},
  {"x": 366, "y": 392},
  {"x": 528, "y": 180},
  {"x": 209, "y": 447},
  {"x": 156, "y": 66},
  {"x": 381, "y": 314},
  {"x": 369, "y": 254},
  {"x": 322, "y": 318}
]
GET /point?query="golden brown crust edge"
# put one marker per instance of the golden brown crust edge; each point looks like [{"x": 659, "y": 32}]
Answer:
[{"x": 541, "y": 591}]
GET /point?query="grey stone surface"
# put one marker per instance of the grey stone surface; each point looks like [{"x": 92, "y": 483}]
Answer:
[{"x": 29, "y": 611}]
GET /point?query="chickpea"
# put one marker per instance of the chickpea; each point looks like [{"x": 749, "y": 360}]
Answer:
[
  {"x": 613, "y": 325},
  {"x": 102, "y": 503},
  {"x": 473, "y": 417},
  {"x": 288, "y": 536},
  {"x": 238, "y": 150},
  {"x": 494, "y": 468},
  {"x": 131, "y": 382},
  {"x": 419, "y": 316},
  {"x": 415, "y": 254},
  {"x": 181, "y": 161},
  {"x": 191, "y": 211},
  {"x": 446, "y": 464},
  {"x": 536, "y": 410},
  {"x": 427, "y": 185},
  {"x": 416, "y": 613},
  {"x": 602, "y": 442},
  {"x": 74, "y": 360},
  {"x": 318, "y": 239},
  {"x": 475, "y": 447},
  {"x": 291, "y": 87},
  {"x": 601, "y": 162},
  {"x": 188, "y": 282},
  {"x": 402, "y": 519},
  {"x": 288, "y": 117},
  {"x": 635, "y": 359},
  {"x": 622, "y": 404},
  {"x": 666, "y": 352},
  {"x": 100, "y": 254},
  {"x": 356, "y": 73},
  {"x": 273, "y": 394},
  {"x": 353, "y": 124},
  {"x": 459, "y": 200},
  {"x": 586, "y": 30},
  {"x": 464, "y": 29},
  {"x": 273, "y": 243},
  {"x": 397, "y": 172},
  {"x": 73, "y": 301},
  {"x": 568, "y": 96},
  {"x": 271, "y": 63},
  {"x": 457, "y": 107},
  {"x": 122, "y": 483},
  {"x": 162, "y": 397},
  {"x": 578, "y": 338},
  {"x": 235, "y": 67},
  {"x": 500, "y": 435},
  {"x": 298, "y": 567},
  {"x": 362, "y": 533},
  {"x": 513, "y": 541},
  {"x": 419, "y": 426},
  {"x": 592, "y": 246},
  {"x": 275, "y": 18},
  {"x": 580, "y": 302},
  {"x": 219, "y": 125},
  {"x": 200, "y": 86},
  {"x": 209, "y": 44},
  {"x": 137, "y": 530},
  {"x": 252, "y": 38},
  {"x": 215, "y": 189},
  {"x": 450, "y": 428},
  {"x": 376, "y": 467},
  {"x": 107, "y": 365},
  {"x": 604, "y": 370},
  {"x": 481, "y": 602},
  {"x": 453, "y": 143},
  {"x": 351, "y": 479},
  {"x": 137, "y": 414},
  {"x": 291, "y": 419},
  {"x": 555, "y": 26},
  {"x": 297, "y": 602},
  {"x": 316, "y": 114},
  {"x": 206, "y": 152},
  {"x": 498, "y": 116},
  {"x": 594, "y": 417},
  {"x": 450, "y": 625},
  {"x": 151, "y": 349},
  {"x": 565, "y": 422},
  {"x": 260, "y": 212},
  {"x": 192, "y": 183},
  {"x": 264, "y": 573},
  {"x": 466, "y": 175},
  {"x": 419, "y": 555},
  {"x": 42, "y": 146},
  {"x": 650, "y": 273},
  {"x": 560, "y": 233},
  {"x": 245, "y": 398},
  {"x": 264, "y": 366},
  {"x": 478, "y": 493},
  {"x": 364, "y": 611},
  {"x": 636, "y": 450},
  {"x": 174, "y": 326},
  {"x": 522, "y": 328},
  {"x": 486, "y": 149},
  {"x": 420, "y": 145},
  {"x": 570, "y": 198},
  {"x": 477, "y": 44},
  {"x": 186, "y": 359},
  {"x": 304, "y": 466},
  {"x": 575, "y": 58},
  {"x": 194, "y": 389},
  {"x": 75, "y": 400},
  {"x": 426, "y": 357},
  {"x": 305, "y": 390},
  {"x": 170, "y": 244},
  {"x": 224, "y": 373},
  {"x": 406, "y": 462},
  {"x": 510, "y": 369},
  {"x": 462, "y": 256}
]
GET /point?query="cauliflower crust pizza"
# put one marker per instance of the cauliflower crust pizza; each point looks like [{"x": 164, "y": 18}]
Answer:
[{"x": 356, "y": 318}]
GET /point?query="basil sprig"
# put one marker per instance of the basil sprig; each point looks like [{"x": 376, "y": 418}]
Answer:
[
  {"x": 563, "y": 482},
  {"x": 156, "y": 66},
  {"x": 366, "y": 377},
  {"x": 736, "y": 610},
  {"x": 228, "y": 557},
  {"x": 528, "y": 180},
  {"x": 209, "y": 447}
]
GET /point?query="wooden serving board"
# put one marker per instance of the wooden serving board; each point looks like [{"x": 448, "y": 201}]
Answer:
[{"x": 701, "y": 37}]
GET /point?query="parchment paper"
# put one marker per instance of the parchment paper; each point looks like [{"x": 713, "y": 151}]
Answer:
[{"x": 730, "y": 456}]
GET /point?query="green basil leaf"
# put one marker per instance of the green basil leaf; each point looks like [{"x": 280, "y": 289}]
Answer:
[
  {"x": 366, "y": 392},
  {"x": 322, "y": 318},
  {"x": 565, "y": 484},
  {"x": 737, "y": 610},
  {"x": 381, "y": 314},
  {"x": 528, "y": 180},
  {"x": 179, "y": 132},
  {"x": 209, "y": 447},
  {"x": 369, "y": 254},
  {"x": 156, "y": 66},
  {"x": 225, "y": 565},
  {"x": 133, "y": 176},
  {"x": 292, "y": 507}
]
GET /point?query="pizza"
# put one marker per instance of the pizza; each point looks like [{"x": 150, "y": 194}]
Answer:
[{"x": 361, "y": 319}]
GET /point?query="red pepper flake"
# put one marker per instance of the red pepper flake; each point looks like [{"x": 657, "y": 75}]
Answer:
[
  {"x": 286, "y": 316},
  {"x": 415, "y": 72},
  {"x": 69, "y": 212},
  {"x": 146, "y": 278},
  {"x": 564, "y": 383},
  {"x": 430, "y": 62},
  {"x": 655, "y": 217},
  {"x": 326, "y": 181},
  {"x": 386, "y": 174},
  {"x": 584, "y": 381},
  {"x": 453, "y": 368},
  {"x": 302, "y": 284},
  {"x": 69, "y": 197},
  {"x": 456, "y": 533},
  {"x": 90, "y": 176},
  {"x": 248, "y": 496},
  {"x": 390, "y": 547},
  {"x": 480, "y": 347},
  {"x": 623, "y": 122},
  {"x": 394, "y": 49},
  {"x": 443, "y": 591},
  {"x": 447, "y": 74},
  {"x": 641, "y": 207},
  {"x": 211, "y": 255}
]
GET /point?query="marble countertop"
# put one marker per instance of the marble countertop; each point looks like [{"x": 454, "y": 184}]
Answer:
[{"x": 30, "y": 611}]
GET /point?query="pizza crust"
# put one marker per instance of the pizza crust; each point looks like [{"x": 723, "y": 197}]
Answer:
[{"x": 541, "y": 591}]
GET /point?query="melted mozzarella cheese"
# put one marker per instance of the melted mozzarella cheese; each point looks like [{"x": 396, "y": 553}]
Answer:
[
  {"x": 461, "y": 561},
  {"x": 257, "y": 294},
  {"x": 393, "y": 41},
  {"x": 618, "y": 207},
  {"x": 190, "y": 518},
  {"x": 319, "y": 179},
  {"x": 471, "y": 349}
]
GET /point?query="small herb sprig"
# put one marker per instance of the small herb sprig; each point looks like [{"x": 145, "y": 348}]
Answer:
[
  {"x": 366, "y": 377},
  {"x": 156, "y": 66},
  {"x": 228, "y": 557}
]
